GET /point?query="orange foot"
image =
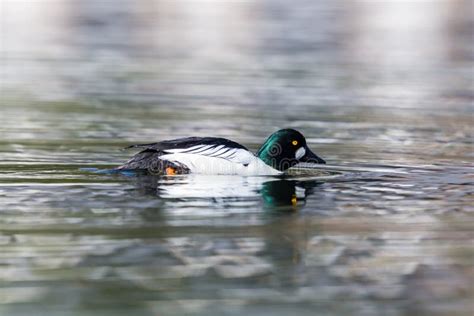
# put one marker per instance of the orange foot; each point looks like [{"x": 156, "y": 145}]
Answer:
[{"x": 170, "y": 171}]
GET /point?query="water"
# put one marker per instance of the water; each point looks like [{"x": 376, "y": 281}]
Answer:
[{"x": 383, "y": 91}]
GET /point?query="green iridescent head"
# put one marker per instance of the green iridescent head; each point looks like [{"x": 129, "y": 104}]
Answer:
[{"x": 285, "y": 149}]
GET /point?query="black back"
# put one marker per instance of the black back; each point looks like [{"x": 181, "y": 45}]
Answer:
[{"x": 188, "y": 142}]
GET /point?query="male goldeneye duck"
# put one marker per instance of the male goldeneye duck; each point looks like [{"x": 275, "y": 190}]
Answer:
[{"x": 211, "y": 155}]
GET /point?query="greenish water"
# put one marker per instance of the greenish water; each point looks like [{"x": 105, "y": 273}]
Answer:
[{"x": 383, "y": 91}]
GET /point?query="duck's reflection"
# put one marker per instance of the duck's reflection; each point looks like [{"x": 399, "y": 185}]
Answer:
[
  {"x": 269, "y": 193},
  {"x": 284, "y": 193}
]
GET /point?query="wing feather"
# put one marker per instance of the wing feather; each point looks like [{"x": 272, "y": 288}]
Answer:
[
  {"x": 205, "y": 146},
  {"x": 188, "y": 143},
  {"x": 220, "y": 151},
  {"x": 186, "y": 150}
]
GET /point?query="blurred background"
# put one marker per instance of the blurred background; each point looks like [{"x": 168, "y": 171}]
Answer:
[{"x": 383, "y": 86}]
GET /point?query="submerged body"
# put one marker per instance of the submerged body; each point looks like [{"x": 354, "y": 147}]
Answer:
[{"x": 212, "y": 155}]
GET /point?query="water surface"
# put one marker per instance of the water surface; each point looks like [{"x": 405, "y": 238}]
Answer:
[{"x": 383, "y": 91}]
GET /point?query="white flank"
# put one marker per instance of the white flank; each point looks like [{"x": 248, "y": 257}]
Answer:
[{"x": 234, "y": 162}]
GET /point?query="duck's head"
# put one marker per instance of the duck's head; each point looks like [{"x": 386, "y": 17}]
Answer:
[{"x": 285, "y": 149}]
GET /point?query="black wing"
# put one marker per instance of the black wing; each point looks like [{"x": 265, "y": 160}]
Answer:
[
  {"x": 189, "y": 143},
  {"x": 206, "y": 146}
]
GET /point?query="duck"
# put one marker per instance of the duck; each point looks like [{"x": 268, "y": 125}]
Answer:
[{"x": 282, "y": 150}]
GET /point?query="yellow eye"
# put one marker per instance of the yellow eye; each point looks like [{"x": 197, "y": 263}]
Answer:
[{"x": 295, "y": 142}]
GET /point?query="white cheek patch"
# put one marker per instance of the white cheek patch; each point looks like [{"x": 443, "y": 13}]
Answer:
[{"x": 300, "y": 153}]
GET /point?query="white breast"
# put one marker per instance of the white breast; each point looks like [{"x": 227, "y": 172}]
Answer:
[{"x": 241, "y": 162}]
